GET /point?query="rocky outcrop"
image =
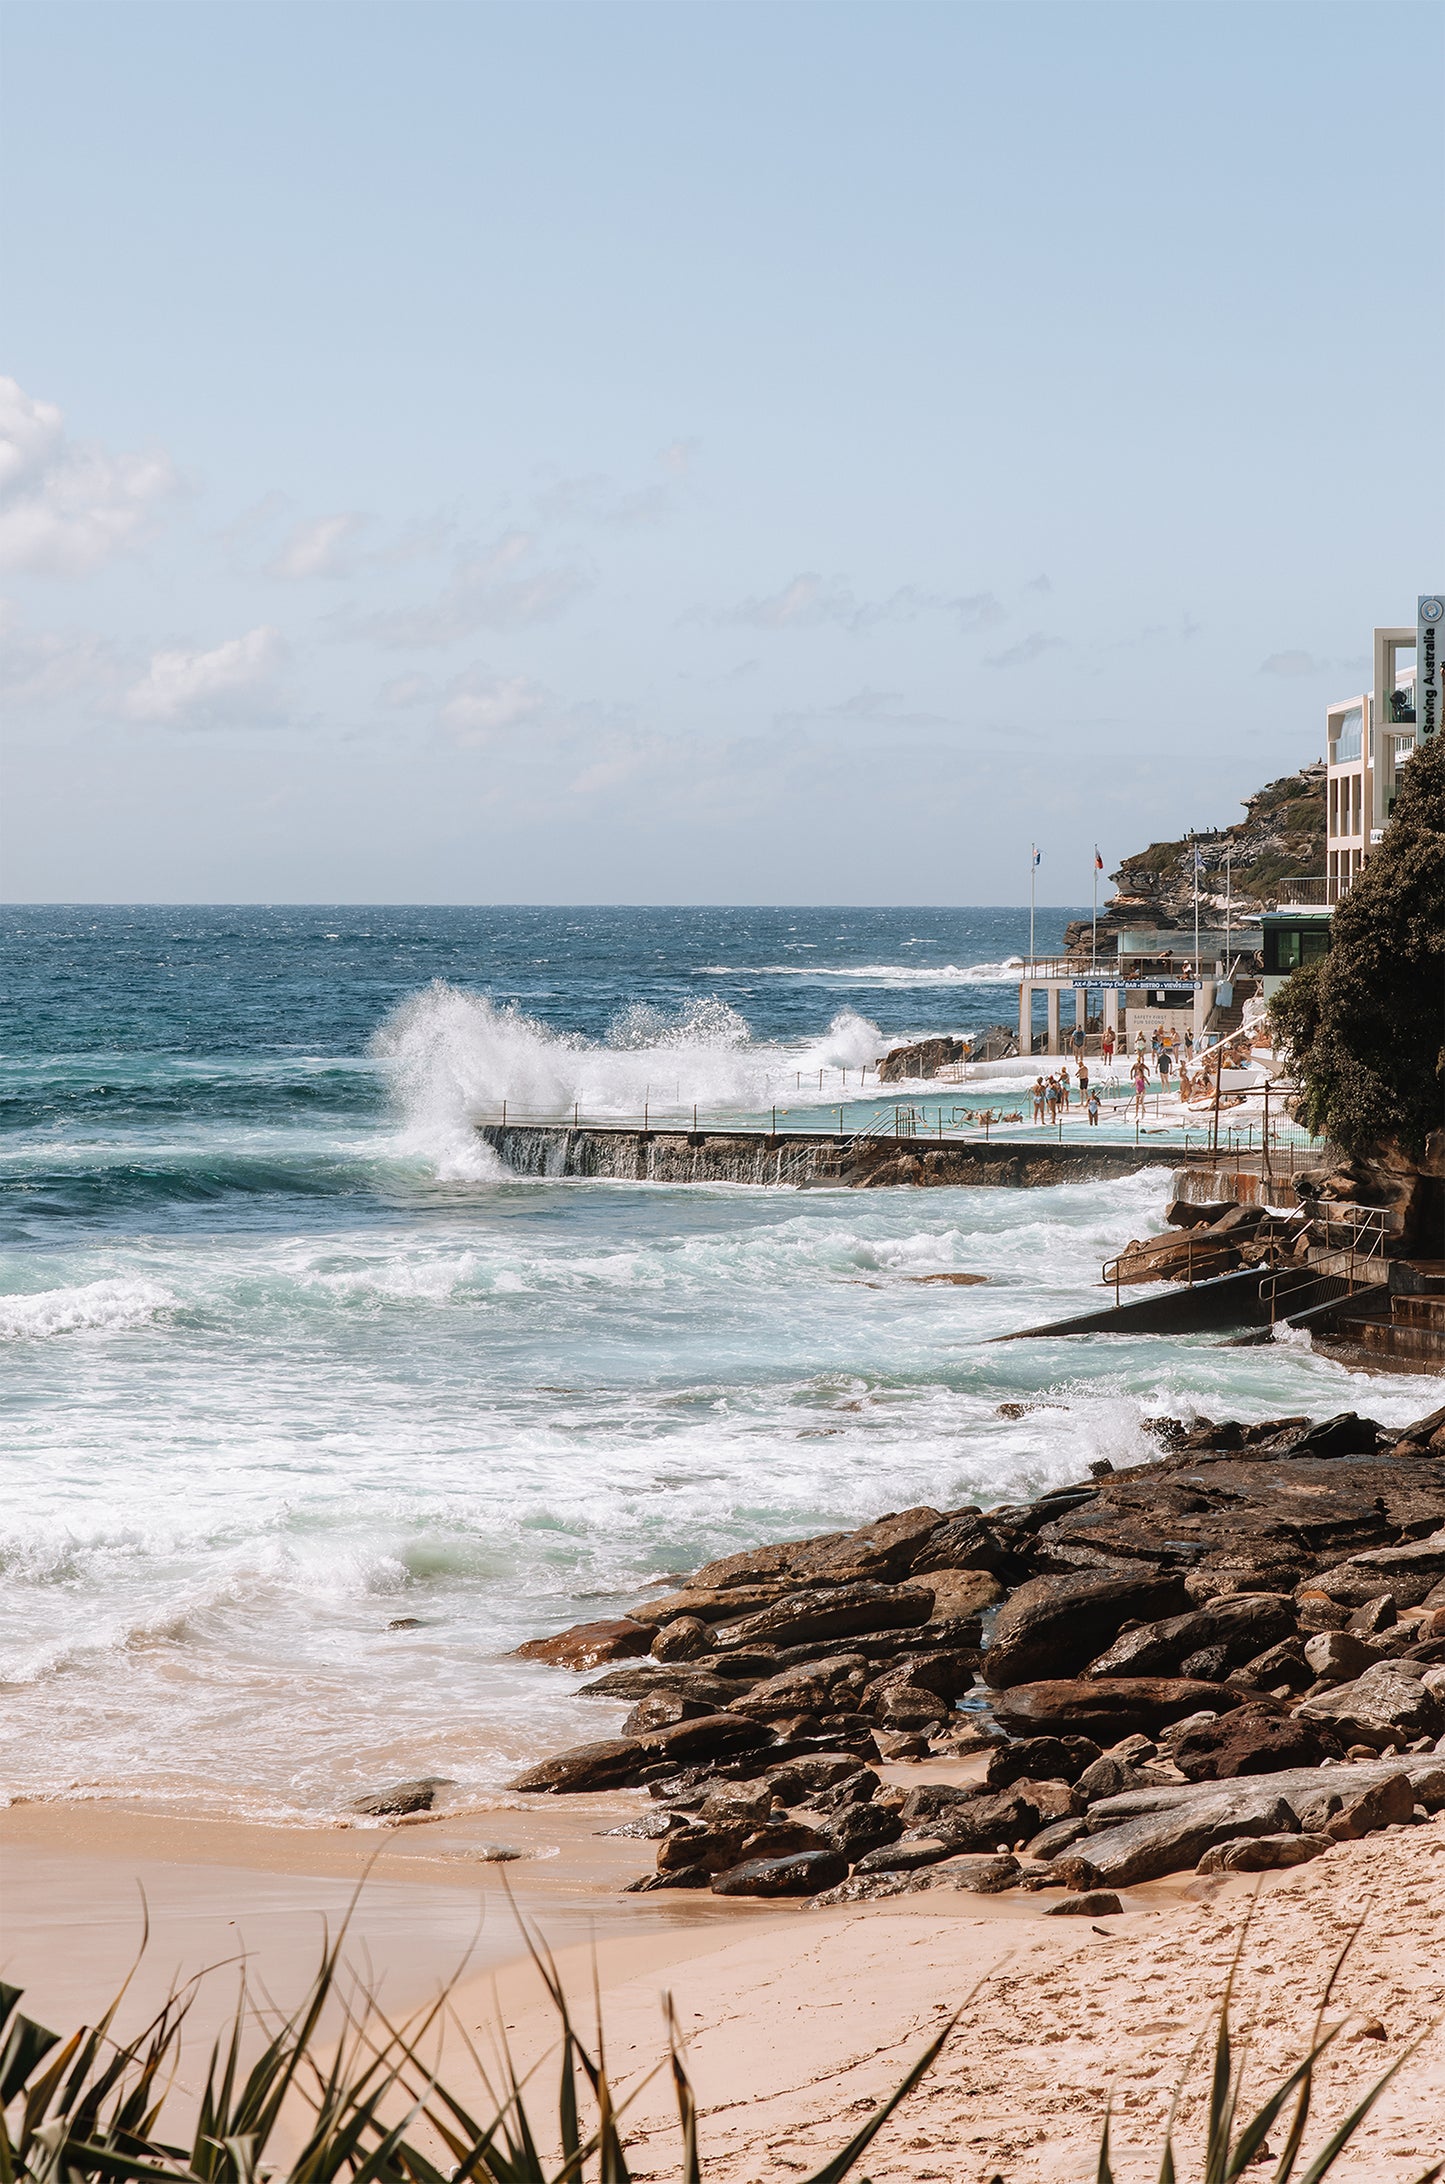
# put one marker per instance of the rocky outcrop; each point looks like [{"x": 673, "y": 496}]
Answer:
[{"x": 1228, "y": 1654}]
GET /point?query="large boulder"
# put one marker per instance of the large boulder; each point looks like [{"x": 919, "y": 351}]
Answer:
[
  {"x": 802, "y": 1873},
  {"x": 961, "y": 1593},
  {"x": 1406, "y": 1573},
  {"x": 808, "y": 1618},
  {"x": 1040, "y": 1758},
  {"x": 588, "y": 1645},
  {"x": 1108, "y": 1708},
  {"x": 616, "y": 1760},
  {"x": 1151, "y": 1844},
  {"x": 1239, "y": 1625},
  {"x": 1250, "y": 1742},
  {"x": 1052, "y": 1626},
  {"x": 1390, "y": 1703},
  {"x": 1263, "y": 1853}
]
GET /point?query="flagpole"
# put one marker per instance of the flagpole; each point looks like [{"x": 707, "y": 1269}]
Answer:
[
  {"x": 1196, "y": 910},
  {"x": 1094, "y": 944},
  {"x": 1033, "y": 866}
]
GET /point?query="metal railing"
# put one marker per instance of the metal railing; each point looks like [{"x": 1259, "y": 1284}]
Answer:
[
  {"x": 1363, "y": 1268},
  {"x": 1315, "y": 891}
]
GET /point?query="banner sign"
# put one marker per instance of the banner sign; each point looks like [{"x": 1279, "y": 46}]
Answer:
[{"x": 1429, "y": 663}]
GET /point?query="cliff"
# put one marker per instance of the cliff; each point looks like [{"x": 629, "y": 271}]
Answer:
[{"x": 1281, "y": 835}]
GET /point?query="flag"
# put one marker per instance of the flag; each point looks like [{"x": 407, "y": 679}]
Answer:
[
  {"x": 1038, "y": 856},
  {"x": 1098, "y": 862},
  {"x": 1198, "y": 861}
]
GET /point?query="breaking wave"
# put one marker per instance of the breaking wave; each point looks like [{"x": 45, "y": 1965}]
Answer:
[
  {"x": 878, "y": 974},
  {"x": 94, "y": 1307},
  {"x": 455, "y": 1059}
]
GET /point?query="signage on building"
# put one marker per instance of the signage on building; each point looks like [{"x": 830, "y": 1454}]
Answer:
[{"x": 1429, "y": 662}]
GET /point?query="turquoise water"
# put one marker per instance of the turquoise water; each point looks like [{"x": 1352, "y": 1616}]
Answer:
[{"x": 287, "y": 1357}]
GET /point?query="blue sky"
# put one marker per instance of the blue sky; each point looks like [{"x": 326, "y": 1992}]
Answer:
[{"x": 787, "y": 452}]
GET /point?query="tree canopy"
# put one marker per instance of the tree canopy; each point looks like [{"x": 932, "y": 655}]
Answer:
[{"x": 1366, "y": 1026}]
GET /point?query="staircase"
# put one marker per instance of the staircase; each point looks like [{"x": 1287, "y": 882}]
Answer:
[
  {"x": 1225, "y": 1022},
  {"x": 1406, "y": 1326}
]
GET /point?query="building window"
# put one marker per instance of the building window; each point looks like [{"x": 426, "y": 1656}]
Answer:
[
  {"x": 1286, "y": 947},
  {"x": 1349, "y": 736},
  {"x": 1334, "y": 820}
]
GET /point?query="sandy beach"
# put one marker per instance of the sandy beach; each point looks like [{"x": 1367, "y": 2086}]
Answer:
[{"x": 797, "y": 2022}]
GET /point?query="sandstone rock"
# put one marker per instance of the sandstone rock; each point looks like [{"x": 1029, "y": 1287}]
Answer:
[
  {"x": 1383, "y": 1806},
  {"x": 1092, "y": 1903},
  {"x": 966, "y": 1541},
  {"x": 1040, "y": 1758},
  {"x": 855, "y": 1830},
  {"x": 1106, "y": 1707},
  {"x": 811, "y": 1617},
  {"x": 813, "y": 1772},
  {"x": 1053, "y": 1625},
  {"x": 660, "y": 1711},
  {"x": 876, "y": 1552},
  {"x": 588, "y": 1645},
  {"x": 707, "y": 1606},
  {"x": 1375, "y": 1616},
  {"x": 1050, "y": 1841},
  {"x": 1389, "y": 1701},
  {"x": 1239, "y": 1624},
  {"x": 754, "y": 1565},
  {"x": 600, "y": 1766},
  {"x": 695, "y": 1876},
  {"x": 1408, "y": 1574},
  {"x": 984, "y": 1822},
  {"x": 1262, "y": 1853},
  {"x": 981, "y": 1876},
  {"x": 1108, "y": 1776},
  {"x": 961, "y": 1593},
  {"x": 1051, "y": 1800},
  {"x": 681, "y": 1640},
  {"x": 906, "y": 1705},
  {"x": 931, "y": 1799},
  {"x": 865, "y": 1887},
  {"x": 400, "y": 1798},
  {"x": 1251, "y": 1743},
  {"x": 779, "y": 1698},
  {"x": 1149, "y": 1845},
  {"x": 715, "y": 1692},
  {"x": 803, "y": 1873},
  {"x": 1282, "y": 1664},
  {"x": 1336, "y": 1656},
  {"x": 924, "y": 1058},
  {"x": 906, "y": 1855}
]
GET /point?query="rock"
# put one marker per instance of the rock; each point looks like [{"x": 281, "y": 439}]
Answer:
[
  {"x": 1385, "y": 1805},
  {"x": 905, "y": 1705},
  {"x": 931, "y": 1799},
  {"x": 807, "y": 1774},
  {"x": 1093, "y": 1903},
  {"x": 588, "y": 1645},
  {"x": 801, "y": 1873},
  {"x": 1238, "y": 1624},
  {"x": 1109, "y": 1776},
  {"x": 1262, "y": 1853},
  {"x": 715, "y": 1692},
  {"x": 707, "y": 1607},
  {"x": 1053, "y": 1625},
  {"x": 855, "y": 1830},
  {"x": 1376, "y": 1615},
  {"x": 615, "y": 1760},
  {"x": 864, "y": 1887},
  {"x": 661, "y": 1711},
  {"x": 683, "y": 1639},
  {"x": 809, "y": 1617},
  {"x": 906, "y": 1855},
  {"x": 1389, "y": 1701},
  {"x": 1040, "y": 1758},
  {"x": 1250, "y": 1743},
  {"x": 1051, "y": 1840},
  {"x": 405, "y": 1622},
  {"x": 1108, "y": 1706},
  {"x": 961, "y": 1593},
  {"x": 1148, "y": 1845},
  {"x": 1051, "y": 1800},
  {"x": 780, "y": 1697},
  {"x": 877, "y": 1552},
  {"x": 695, "y": 1876},
  {"x": 965, "y": 1541},
  {"x": 401, "y": 1798},
  {"x": 1282, "y": 1664},
  {"x": 1336, "y": 1656},
  {"x": 982, "y": 1876},
  {"x": 1408, "y": 1574},
  {"x": 985, "y": 1822},
  {"x": 924, "y": 1058}
]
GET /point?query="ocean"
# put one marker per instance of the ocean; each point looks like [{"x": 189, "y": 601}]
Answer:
[{"x": 288, "y": 1359}]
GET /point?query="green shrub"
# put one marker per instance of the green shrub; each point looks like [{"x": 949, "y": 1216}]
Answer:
[{"x": 1366, "y": 1027}]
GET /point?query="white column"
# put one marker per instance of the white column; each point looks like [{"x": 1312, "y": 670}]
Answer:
[
  {"x": 1053, "y": 997},
  {"x": 1081, "y": 1007},
  {"x": 1026, "y": 1019},
  {"x": 1111, "y": 1010},
  {"x": 1203, "y": 1004}
]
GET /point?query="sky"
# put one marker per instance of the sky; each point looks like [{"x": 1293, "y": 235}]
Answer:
[{"x": 715, "y": 452}]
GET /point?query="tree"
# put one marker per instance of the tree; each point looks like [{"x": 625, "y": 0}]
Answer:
[{"x": 1366, "y": 1026}]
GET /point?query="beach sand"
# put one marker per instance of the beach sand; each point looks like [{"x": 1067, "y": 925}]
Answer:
[{"x": 797, "y": 2022}]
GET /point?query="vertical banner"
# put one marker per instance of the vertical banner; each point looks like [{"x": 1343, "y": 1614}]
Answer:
[{"x": 1429, "y": 665}]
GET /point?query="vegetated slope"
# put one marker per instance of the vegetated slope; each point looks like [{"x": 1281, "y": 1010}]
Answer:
[{"x": 1281, "y": 836}]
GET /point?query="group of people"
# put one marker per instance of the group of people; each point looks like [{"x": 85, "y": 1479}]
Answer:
[{"x": 1051, "y": 1095}]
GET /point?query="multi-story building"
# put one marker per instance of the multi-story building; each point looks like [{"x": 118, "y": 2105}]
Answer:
[{"x": 1368, "y": 738}]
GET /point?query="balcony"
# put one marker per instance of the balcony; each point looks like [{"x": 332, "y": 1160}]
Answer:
[{"x": 1312, "y": 893}]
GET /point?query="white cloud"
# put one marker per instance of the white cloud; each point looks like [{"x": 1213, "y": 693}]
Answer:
[
  {"x": 481, "y": 706},
  {"x": 501, "y": 591},
  {"x": 1030, "y": 648},
  {"x": 229, "y": 682},
  {"x": 41, "y": 668},
  {"x": 809, "y": 600},
  {"x": 67, "y": 506},
  {"x": 322, "y": 548},
  {"x": 1293, "y": 663}
]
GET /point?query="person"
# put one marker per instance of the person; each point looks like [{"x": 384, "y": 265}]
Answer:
[
  {"x": 1164, "y": 1067},
  {"x": 1083, "y": 1080},
  {"x": 1051, "y": 1095},
  {"x": 1140, "y": 1042},
  {"x": 1093, "y": 1110},
  {"x": 1186, "y": 1086},
  {"x": 1189, "y": 1042},
  {"x": 1157, "y": 1045},
  {"x": 1109, "y": 1044},
  {"x": 1141, "y": 1085},
  {"x": 1038, "y": 1096},
  {"x": 1064, "y": 1086},
  {"x": 1077, "y": 1042}
]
